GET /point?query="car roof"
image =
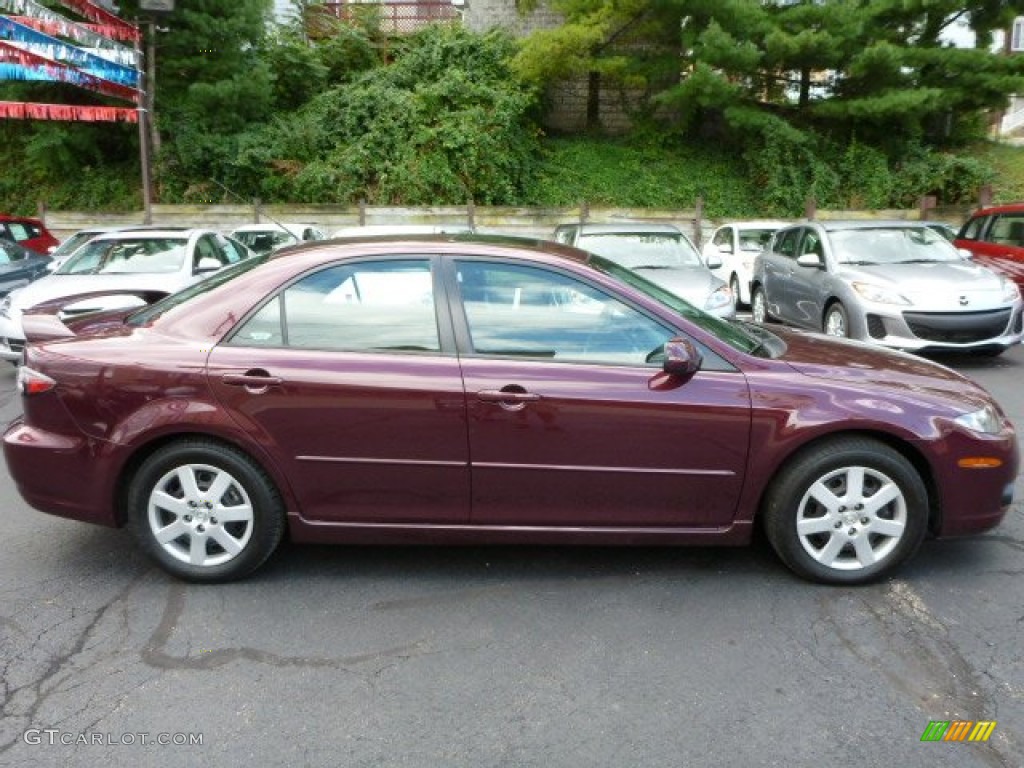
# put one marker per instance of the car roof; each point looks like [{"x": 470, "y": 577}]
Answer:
[
  {"x": 272, "y": 227},
  {"x": 1006, "y": 208},
  {"x": 845, "y": 224},
  {"x": 384, "y": 243},
  {"x": 757, "y": 224},
  {"x": 182, "y": 233},
  {"x": 625, "y": 228}
]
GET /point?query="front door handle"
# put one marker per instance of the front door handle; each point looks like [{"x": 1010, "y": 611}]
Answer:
[
  {"x": 255, "y": 381},
  {"x": 511, "y": 398}
]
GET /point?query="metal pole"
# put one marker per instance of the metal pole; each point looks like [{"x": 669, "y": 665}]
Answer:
[{"x": 147, "y": 197}]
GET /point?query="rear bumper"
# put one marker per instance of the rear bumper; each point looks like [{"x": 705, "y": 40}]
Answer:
[{"x": 71, "y": 485}]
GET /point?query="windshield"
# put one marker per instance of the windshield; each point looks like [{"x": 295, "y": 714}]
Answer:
[
  {"x": 153, "y": 311},
  {"x": 156, "y": 255},
  {"x": 265, "y": 240},
  {"x": 892, "y": 245},
  {"x": 643, "y": 250},
  {"x": 733, "y": 334},
  {"x": 755, "y": 239}
]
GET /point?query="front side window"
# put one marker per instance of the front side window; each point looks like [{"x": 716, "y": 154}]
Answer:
[
  {"x": 723, "y": 237},
  {"x": 372, "y": 306},
  {"x": 532, "y": 313},
  {"x": 786, "y": 243},
  {"x": 1008, "y": 229}
]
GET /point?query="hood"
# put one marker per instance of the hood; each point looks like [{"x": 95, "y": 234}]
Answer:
[
  {"x": 694, "y": 284},
  {"x": 943, "y": 284},
  {"x": 855, "y": 363},
  {"x": 58, "y": 286}
]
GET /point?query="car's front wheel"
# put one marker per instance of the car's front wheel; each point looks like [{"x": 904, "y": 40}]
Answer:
[
  {"x": 846, "y": 512},
  {"x": 205, "y": 511},
  {"x": 837, "y": 322}
]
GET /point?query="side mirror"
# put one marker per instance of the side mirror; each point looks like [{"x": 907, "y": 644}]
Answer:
[
  {"x": 810, "y": 260},
  {"x": 207, "y": 264},
  {"x": 682, "y": 360},
  {"x": 713, "y": 262}
]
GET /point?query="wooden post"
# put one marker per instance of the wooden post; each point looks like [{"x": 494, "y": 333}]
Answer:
[
  {"x": 584, "y": 212},
  {"x": 362, "y": 213},
  {"x": 698, "y": 220},
  {"x": 257, "y": 209},
  {"x": 471, "y": 215},
  {"x": 926, "y": 203},
  {"x": 810, "y": 208},
  {"x": 985, "y": 196},
  {"x": 41, "y": 211}
]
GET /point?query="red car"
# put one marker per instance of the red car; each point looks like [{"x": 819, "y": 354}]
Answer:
[
  {"x": 461, "y": 389},
  {"x": 995, "y": 238},
  {"x": 28, "y": 233}
]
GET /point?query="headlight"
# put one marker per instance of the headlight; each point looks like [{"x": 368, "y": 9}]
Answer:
[
  {"x": 1010, "y": 290},
  {"x": 879, "y": 294},
  {"x": 720, "y": 298},
  {"x": 985, "y": 421}
]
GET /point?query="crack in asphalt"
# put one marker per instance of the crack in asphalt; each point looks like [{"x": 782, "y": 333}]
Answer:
[{"x": 926, "y": 666}]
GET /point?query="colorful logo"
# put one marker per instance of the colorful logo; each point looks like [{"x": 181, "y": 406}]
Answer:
[{"x": 958, "y": 730}]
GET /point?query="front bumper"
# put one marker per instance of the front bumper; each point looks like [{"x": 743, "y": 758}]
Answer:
[{"x": 918, "y": 331}]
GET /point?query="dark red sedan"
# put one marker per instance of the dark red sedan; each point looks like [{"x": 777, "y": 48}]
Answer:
[{"x": 488, "y": 390}]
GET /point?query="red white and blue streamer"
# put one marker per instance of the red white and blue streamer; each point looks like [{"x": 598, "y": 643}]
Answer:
[
  {"x": 90, "y": 36},
  {"x": 26, "y": 38}
]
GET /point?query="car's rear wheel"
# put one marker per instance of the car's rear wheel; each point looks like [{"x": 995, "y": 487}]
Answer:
[
  {"x": 837, "y": 322},
  {"x": 734, "y": 286},
  {"x": 846, "y": 512},
  {"x": 205, "y": 511}
]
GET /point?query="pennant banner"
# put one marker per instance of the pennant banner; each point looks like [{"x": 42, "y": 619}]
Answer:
[
  {"x": 51, "y": 48},
  {"x": 98, "y": 15},
  {"x": 19, "y": 110},
  {"x": 32, "y": 14},
  {"x": 20, "y": 64}
]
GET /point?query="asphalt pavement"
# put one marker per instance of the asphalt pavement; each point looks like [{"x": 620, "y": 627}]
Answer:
[{"x": 547, "y": 657}]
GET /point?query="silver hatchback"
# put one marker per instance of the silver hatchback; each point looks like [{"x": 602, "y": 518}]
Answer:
[{"x": 897, "y": 284}]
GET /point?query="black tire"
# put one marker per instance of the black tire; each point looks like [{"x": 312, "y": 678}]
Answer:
[
  {"x": 837, "y": 537},
  {"x": 207, "y": 548},
  {"x": 759, "y": 305},
  {"x": 835, "y": 318},
  {"x": 734, "y": 286}
]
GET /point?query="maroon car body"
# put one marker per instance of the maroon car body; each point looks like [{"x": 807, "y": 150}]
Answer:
[{"x": 465, "y": 443}]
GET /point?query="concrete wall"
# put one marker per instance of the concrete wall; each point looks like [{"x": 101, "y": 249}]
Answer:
[{"x": 524, "y": 222}]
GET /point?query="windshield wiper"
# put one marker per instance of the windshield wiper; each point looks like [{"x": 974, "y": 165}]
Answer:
[
  {"x": 652, "y": 266},
  {"x": 860, "y": 263}
]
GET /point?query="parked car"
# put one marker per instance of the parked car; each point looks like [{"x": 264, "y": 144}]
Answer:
[
  {"x": 123, "y": 267},
  {"x": 392, "y": 230},
  {"x": 28, "y": 233},
  {"x": 267, "y": 237},
  {"x": 71, "y": 244},
  {"x": 736, "y": 245},
  {"x": 659, "y": 252},
  {"x": 19, "y": 266},
  {"x": 897, "y": 284},
  {"x": 490, "y": 390},
  {"x": 995, "y": 237}
]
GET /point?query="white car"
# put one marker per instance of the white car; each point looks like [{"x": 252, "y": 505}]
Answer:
[
  {"x": 375, "y": 230},
  {"x": 267, "y": 237},
  {"x": 120, "y": 265},
  {"x": 737, "y": 245}
]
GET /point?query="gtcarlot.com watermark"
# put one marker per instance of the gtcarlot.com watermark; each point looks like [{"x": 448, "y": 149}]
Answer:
[{"x": 52, "y": 737}]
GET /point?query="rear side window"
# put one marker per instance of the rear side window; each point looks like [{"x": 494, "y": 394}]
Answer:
[
  {"x": 786, "y": 243},
  {"x": 371, "y": 306},
  {"x": 1007, "y": 229}
]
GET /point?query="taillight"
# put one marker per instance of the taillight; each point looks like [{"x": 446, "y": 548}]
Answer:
[{"x": 33, "y": 382}]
